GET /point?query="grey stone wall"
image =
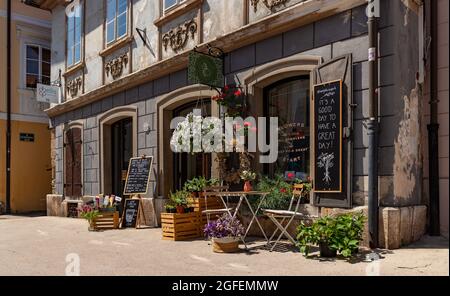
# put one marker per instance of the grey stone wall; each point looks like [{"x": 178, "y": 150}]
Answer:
[{"x": 332, "y": 37}]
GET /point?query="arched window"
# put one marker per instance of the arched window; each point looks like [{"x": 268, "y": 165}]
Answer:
[{"x": 289, "y": 100}]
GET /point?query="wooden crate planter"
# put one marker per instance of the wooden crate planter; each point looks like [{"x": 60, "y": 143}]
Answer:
[
  {"x": 179, "y": 227},
  {"x": 106, "y": 220}
]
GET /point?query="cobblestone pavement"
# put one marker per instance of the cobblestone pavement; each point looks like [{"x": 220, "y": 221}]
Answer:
[{"x": 41, "y": 245}]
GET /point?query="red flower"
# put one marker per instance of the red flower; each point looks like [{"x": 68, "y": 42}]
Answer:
[
  {"x": 291, "y": 175},
  {"x": 247, "y": 124},
  {"x": 283, "y": 190},
  {"x": 237, "y": 93},
  {"x": 226, "y": 87}
]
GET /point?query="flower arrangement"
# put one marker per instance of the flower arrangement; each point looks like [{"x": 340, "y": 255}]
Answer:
[
  {"x": 224, "y": 227},
  {"x": 248, "y": 175},
  {"x": 188, "y": 133},
  {"x": 233, "y": 98},
  {"x": 88, "y": 212}
]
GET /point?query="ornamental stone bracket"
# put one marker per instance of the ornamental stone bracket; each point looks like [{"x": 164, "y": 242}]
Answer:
[
  {"x": 115, "y": 66},
  {"x": 178, "y": 37},
  {"x": 270, "y": 4},
  {"x": 73, "y": 86}
]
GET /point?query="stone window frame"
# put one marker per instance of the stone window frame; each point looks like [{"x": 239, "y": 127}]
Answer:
[
  {"x": 74, "y": 124},
  {"x": 105, "y": 120},
  {"x": 165, "y": 106}
]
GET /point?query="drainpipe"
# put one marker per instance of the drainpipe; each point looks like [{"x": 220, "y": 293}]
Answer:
[
  {"x": 433, "y": 127},
  {"x": 8, "y": 109},
  {"x": 372, "y": 131}
]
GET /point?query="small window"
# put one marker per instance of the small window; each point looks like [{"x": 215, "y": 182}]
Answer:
[
  {"x": 37, "y": 65},
  {"x": 74, "y": 35},
  {"x": 168, "y": 4},
  {"x": 116, "y": 20}
]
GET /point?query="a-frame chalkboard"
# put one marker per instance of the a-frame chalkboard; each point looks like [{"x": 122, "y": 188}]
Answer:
[{"x": 138, "y": 175}]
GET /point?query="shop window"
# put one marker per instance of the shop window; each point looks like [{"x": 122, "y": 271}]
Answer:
[
  {"x": 289, "y": 101},
  {"x": 169, "y": 4},
  {"x": 116, "y": 20},
  {"x": 74, "y": 35},
  {"x": 37, "y": 65}
]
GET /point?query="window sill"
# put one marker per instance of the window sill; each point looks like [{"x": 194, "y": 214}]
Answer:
[
  {"x": 175, "y": 12},
  {"x": 116, "y": 45},
  {"x": 73, "y": 69}
]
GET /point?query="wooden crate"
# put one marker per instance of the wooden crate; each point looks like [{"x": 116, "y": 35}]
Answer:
[
  {"x": 106, "y": 220},
  {"x": 179, "y": 227}
]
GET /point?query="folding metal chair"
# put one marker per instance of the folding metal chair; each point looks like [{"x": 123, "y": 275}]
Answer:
[
  {"x": 291, "y": 213},
  {"x": 210, "y": 192}
]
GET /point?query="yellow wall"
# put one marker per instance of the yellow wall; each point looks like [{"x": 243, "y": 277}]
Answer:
[
  {"x": 31, "y": 166},
  {"x": 30, "y": 161}
]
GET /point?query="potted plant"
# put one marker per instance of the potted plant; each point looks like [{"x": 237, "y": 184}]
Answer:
[
  {"x": 198, "y": 184},
  {"x": 89, "y": 213},
  {"x": 170, "y": 208},
  {"x": 179, "y": 199},
  {"x": 233, "y": 98},
  {"x": 341, "y": 234},
  {"x": 224, "y": 233},
  {"x": 248, "y": 176}
]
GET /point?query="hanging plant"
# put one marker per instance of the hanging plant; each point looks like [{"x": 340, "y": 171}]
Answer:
[
  {"x": 190, "y": 134},
  {"x": 233, "y": 99}
]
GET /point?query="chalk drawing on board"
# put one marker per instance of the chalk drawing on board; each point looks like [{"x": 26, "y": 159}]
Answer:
[{"x": 326, "y": 162}]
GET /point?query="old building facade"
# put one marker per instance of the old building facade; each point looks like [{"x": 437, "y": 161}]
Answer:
[
  {"x": 30, "y": 161},
  {"x": 124, "y": 65}
]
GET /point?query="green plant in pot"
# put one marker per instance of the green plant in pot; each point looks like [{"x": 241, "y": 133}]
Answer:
[
  {"x": 332, "y": 234},
  {"x": 196, "y": 185},
  {"x": 170, "y": 208},
  {"x": 179, "y": 199}
]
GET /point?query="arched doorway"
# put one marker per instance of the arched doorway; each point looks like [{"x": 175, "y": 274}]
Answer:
[
  {"x": 289, "y": 100},
  {"x": 187, "y": 165}
]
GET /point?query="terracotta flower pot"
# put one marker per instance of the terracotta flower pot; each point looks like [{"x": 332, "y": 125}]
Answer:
[{"x": 248, "y": 186}]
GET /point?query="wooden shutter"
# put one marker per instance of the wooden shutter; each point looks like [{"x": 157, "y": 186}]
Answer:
[
  {"x": 340, "y": 68},
  {"x": 72, "y": 145}
]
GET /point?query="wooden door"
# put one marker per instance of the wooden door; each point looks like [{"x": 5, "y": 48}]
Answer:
[{"x": 73, "y": 183}]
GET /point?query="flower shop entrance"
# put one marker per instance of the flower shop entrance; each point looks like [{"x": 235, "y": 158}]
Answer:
[{"x": 188, "y": 166}]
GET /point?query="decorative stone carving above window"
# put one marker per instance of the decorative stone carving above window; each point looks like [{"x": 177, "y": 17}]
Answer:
[
  {"x": 178, "y": 37},
  {"x": 270, "y": 4},
  {"x": 115, "y": 66},
  {"x": 73, "y": 86}
]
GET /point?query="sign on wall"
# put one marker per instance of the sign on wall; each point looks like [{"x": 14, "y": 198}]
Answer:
[
  {"x": 205, "y": 69},
  {"x": 328, "y": 137},
  {"x": 26, "y": 137},
  {"x": 47, "y": 93},
  {"x": 138, "y": 175}
]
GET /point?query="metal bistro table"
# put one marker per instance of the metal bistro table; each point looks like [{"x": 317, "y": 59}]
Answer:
[{"x": 244, "y": 196}]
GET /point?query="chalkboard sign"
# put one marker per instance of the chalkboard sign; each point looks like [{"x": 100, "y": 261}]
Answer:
[
  {"x": 138, "y": 175},
  {"x": 130, "y": 213},
  {"x": 328, "y": 137}
]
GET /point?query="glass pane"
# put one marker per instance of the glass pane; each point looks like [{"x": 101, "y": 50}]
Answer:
[
  {"x": 77, "y": 49},
  {"x": 289, "y": 102},
  {"x": 110, "y": 32},
  {"x": 45, "y": 69},
  {"x": 69, "y": 56},
  {"x": 110, "y": 10},
  {"x": 70, "y": 38},
  {"x": 32, "y": 80},
  {"x": 45, "y": 80},
  {"x": 32, "y": 52},
  {"x": 122, "y": 25},
  {"x": 32, "y": 67},
  {"x": 46, "y": 55},
  {"x": 169, "y": 3},
  {"x": 121, "y": 6}
]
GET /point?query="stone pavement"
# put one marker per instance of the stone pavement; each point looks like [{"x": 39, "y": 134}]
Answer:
[{"x": 41, "y": 245}]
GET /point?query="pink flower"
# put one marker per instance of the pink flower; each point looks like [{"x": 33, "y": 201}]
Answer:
[
  {"x": 247, "y": 124},
  {"x": 237, "y": 93},
  {"x": 291, "y": 175}
]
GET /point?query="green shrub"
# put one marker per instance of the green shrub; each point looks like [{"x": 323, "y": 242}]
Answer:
[{"x": 342, "y": 233}]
